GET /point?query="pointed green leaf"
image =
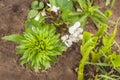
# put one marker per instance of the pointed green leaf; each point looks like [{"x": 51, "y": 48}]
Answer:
[{"x": 14, "y": 37}]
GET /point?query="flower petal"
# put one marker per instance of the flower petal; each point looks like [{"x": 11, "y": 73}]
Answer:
[
  {"x": 55, "y": 9},
  {"x": 68, "y": 43},
  {"x": 64, "y": 38},
  {"x": 80, "y": 37},
  {"x": 74, "y": 27},
  {"x": 80, "y": 30}
]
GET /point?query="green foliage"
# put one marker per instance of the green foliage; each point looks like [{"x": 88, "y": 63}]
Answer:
[
  {"x": 14, "y": 37},
  {"x": 69, "y": 16},
  {"x": 39, "y": 46},
  {"x": 115, "y": 59},
  {"x": 105, "y": 49},
  {"x": 88, "y": 44},
  {"x": 82, "y": 4},
  {"x": 108, "y": 75},
  {"x": 32, "y": 13},
  {"x": 63, "y": 4},
  {"x": 93, "y": 12},
  {"x": 98, "y": 45},
  {"x": 108, "y": 13},
  {"x": 52, "y": 2},
  {"x": 36, "y": 6},
  {"x": 69, "y": 13}
]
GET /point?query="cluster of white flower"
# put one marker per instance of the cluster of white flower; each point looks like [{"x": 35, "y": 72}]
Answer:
[{"x": 75, "y": 35}]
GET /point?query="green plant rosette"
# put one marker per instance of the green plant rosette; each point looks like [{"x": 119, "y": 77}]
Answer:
[{"x": 39, "y": 46}]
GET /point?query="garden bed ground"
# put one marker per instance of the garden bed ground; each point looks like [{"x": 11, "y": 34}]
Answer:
[{"x": 12, "y": 16}]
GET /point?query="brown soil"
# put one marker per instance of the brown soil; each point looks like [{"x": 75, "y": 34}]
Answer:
[{"x": 12, "y": 16}]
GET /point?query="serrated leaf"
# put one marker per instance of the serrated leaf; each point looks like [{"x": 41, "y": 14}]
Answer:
[
  {"x": 85, "y": 51},
  {"x": 90, "y": 43},
  {"x": 108, "y": 40},
  {"x": 95, "y": 56},
  {"x": 101, "y": 30},
  {"x": 115, "y": 59},
  {"x": 86, "y": 37}
]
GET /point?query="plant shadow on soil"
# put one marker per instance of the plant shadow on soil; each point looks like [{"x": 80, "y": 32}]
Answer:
[{"x": 12, "y": 16}]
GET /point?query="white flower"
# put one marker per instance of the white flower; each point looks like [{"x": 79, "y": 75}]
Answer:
[
  {"x": 80, "y": 30},
  {"x": 74, "y": 36},
  {"x": 37, "y": 17},
  {"x": 64, "y": 38},
  {"x": 74, "y": 27},
  {"x": 77, "y": 24},
  {"x": 68, "y": 43},
  {"x": 76, "y": 33},
  {"x": 53, "y": 8},
  {"x": 80, "y": 37}
]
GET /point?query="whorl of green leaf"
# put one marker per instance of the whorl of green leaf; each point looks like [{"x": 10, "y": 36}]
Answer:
[
  {"x": 93, "y": 12},
  {"x": 39, "y": 47}
]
